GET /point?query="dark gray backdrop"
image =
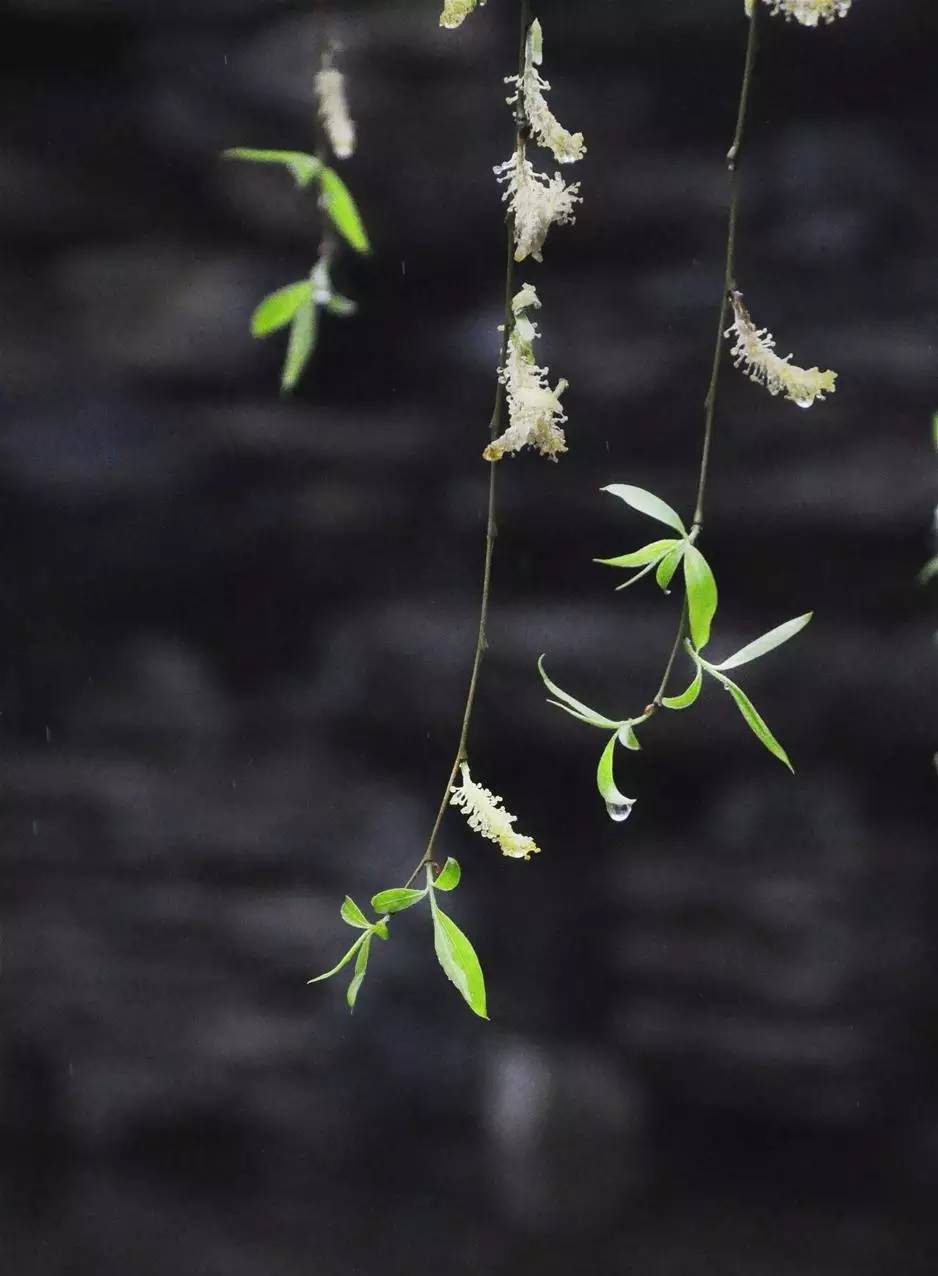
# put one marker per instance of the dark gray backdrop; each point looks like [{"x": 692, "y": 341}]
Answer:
[{"x": 237, "y": 633}]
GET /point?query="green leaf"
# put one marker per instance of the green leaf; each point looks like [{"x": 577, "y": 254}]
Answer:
[
  {"x": 449, "y": 876},
  {"x": 303, "y": 167},
  {"x": 301, "y": 345},
  {"x": 618, "y": 806},
  {"x": 669, "y": 565},
  {"x": 627, "y": 736},
  {"x": 754, "y": 720},
  {"x": 638, "y": 575},
  {"x": 361, "y": 965},
  {"x": 457, "y": 957},
  {"x": 576, "y": 707},
  {"x": 351, "y": 913},
  {"x": 380, "y": 928},
  {"x": 686, "y": 698},
  {"x": 340, "y": 206},
  {"x": 341, "y": 307},
  {"x": 277, "y": 309},
  {"x": 701, "y": 595},
  {"x": 929, "y": 571},
  {"x": 647, "y": 503},
  {"x": 768, "y": 642},
  {"x": 343, "y": 962},
  {"x": 395, "y": 901},
  {"x": 650, "y": 553}
]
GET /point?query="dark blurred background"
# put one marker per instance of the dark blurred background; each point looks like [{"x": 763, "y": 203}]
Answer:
[{"x": 237, "y": 632}]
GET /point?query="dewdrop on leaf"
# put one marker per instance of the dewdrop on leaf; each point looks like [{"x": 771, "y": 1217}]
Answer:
[
  {"x": 535, "y": 412},
  {"x": 546, "y": 130},
  {"x": 755, "y": 352},
  {"x": 455, "y": 12},
  {"x": 536, "y": 201},
  {"x": 487, "y": 816},
  {"x": 808, "y": 12},
  {"x": 334, "y": 112}
]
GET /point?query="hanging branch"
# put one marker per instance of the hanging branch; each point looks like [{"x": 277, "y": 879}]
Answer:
[{"x": 754, "y": 350}]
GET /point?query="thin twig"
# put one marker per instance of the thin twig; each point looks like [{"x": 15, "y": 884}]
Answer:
[
  {"x": 496, "y": 424},
  {"x": 729, "y": 283}
]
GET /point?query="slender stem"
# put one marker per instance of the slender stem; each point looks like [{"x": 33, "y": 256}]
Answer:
[
  {"x": 729, "y": 284},
  {"x": 496, "y": 424}
]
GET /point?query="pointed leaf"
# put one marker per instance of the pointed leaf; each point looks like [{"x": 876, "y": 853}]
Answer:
[
  {"x": 301, "y": 345},
  {"x": 755, "y": 721},
  {"x": 774, "y": 638},
  {"x": 686, "y": 698},
  {"x": 701, "y": 595},
  {"x": 618, "y": 806},
  {"x": 577, "y": 707},
  {"x": 649, "y": 553},
  {"x": 638, "y": 575},
  {"x": 361, "y": 966},
  {"x": 343, "y": 962},
  {"x": 627, "y": 736},
  {"x": 395, "y": 901},
  {"x": 351, "y": 913},
  {"x": 341, "y": 307},
  {"x": 277, "y": 309},
  {"x": 303, "y": 167},
  {"x": 647, "y": 503},
  {"x": 341, "y": 207},
  {"x": 380, "y": 928},
  {"x": 458, "y": 959},
  {"x": 669, "y": 565},
  {"x": 449, "y": 876}
]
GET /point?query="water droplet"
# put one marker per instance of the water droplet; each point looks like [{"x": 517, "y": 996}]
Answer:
[
  {"x": 619, "y": 811},
  {"x": 803, "y": 401}
]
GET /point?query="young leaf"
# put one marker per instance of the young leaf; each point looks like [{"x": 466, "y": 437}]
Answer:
[
  {"x": 303, "y": 167},
  {"x": 627, "y": 736},
  {"x": 647, "y": 503},
  {"x": 755, "y": 722},
  {"x": 396, "y": 900},
  {"x": 774, "y": 638},
  {"x": 686, "y": 698},
  {"x": 380, "y": 928},
  {"x": 277, "y": 309},
  {"x": 351, "y": 913},
  {"x": 301, "y": 345},
  {"x": 669, "y": 565},
  {"x": 618, "y": 806},
  {"x": 361, "y": 965},
  {"x": 929, "y": 571},
  {"x": 572, "y": 705},
  {"x": 341, "y": 307},
  {"x": 449, "y": 876},
  {"x": 338, "y": 202},
  {"x": 343, "y": 962},
  {"x": 701, "y": 595},
  {"x": 638, "y": 575},
  {"x": 457, "y": 957},
  {"x": 650, "y": 553}
]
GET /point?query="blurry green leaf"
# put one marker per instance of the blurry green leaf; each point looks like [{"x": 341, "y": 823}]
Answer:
[
  {"x": 344, "y": 961},
  {"x": 618, "y": 806},
  {"x": 361, "y": 965},
  {"x": 647, "y": 554},
  {"x": 774, "y": 638},
  {"x": 352, "y": 914},
  {"x": 277, "y": 309},
  {"x": 303, "y": 167},
  {"x": 395, "y": 901},
  {"x": 647, "y": 503},
  {"x": 755, "y": 722},
  {"x": 301, "y": 345},
  {"x": 627, "y": 736},
  {"x": 669, "y": 565},
  {"x": 701, "y": 595},
  {"x": 449, "y": 876},
  {"x": 341, "y": 207},
  {"x": 572, "y": 705},
  {"x": 458, "y": 958},
  {"x": 341, "y": 307},
  {"x": 929, "y": 571},
  {"x": 686, "y": 698}
]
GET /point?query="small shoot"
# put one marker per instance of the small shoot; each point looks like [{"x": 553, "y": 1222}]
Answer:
[{"x": 353, "y": 916}]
